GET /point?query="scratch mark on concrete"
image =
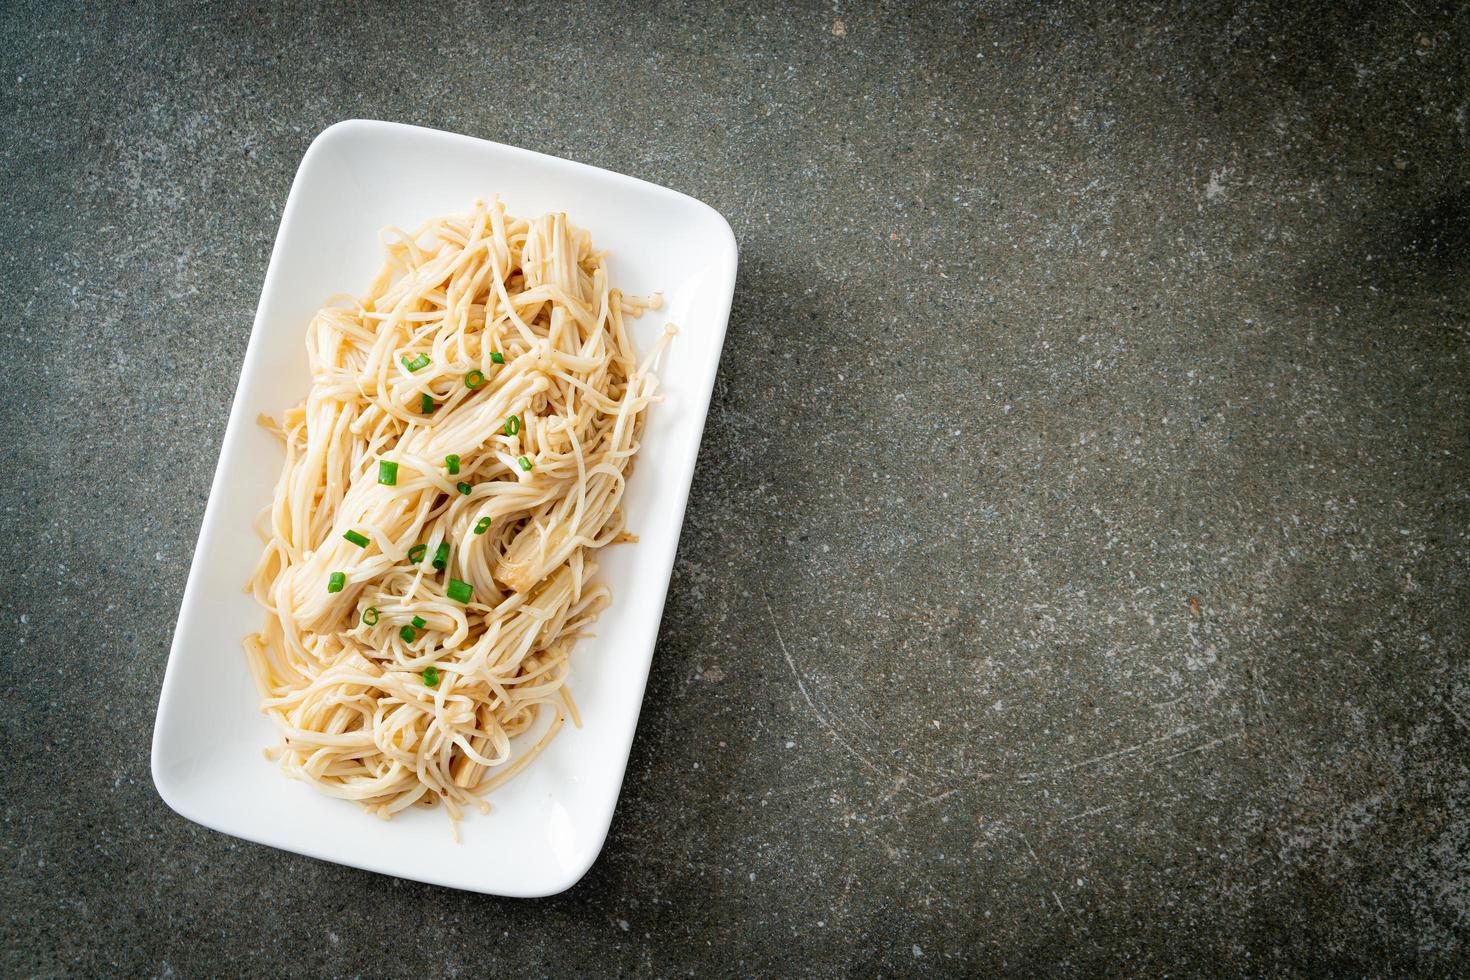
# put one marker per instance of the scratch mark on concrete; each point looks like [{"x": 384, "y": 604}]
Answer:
[
  {"x": 1203, "y": 747},
  {"x": 1031, "y": 850},
  {"x": 1027, "y": 777},
  {"x": 942, "y": 796},
  {"x": 903, "y": 776},
  {"x": 816, "y": 709},
  {"x": 1087, "y": 813}
]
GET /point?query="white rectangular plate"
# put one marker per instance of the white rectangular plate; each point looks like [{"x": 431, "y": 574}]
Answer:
[{"x": 549, "y": 823}]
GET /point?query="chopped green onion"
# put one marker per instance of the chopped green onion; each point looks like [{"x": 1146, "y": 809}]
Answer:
[
  {"x": 335, "y": 581},
  {"x": 387, "y": 472},
  {"x": 418, "y": 362},
  {"x": 431, "y": 676},
  {"x": 525, "y": 463},
  {"x": 512, "y": 425},
  {"x": 451, "y": 462},
  {"x": 426, "y": 403},
  {"x": 474, "y": 379},
  {"x": 463, "y": 488},
  {"x": 459, "y": 591},
  {"x": 441, "y": 555},
  {"x": 358, "y": 539},
  {"x": 497, "y": 357},
  {"x": 408, "y": 634},
  {"x": 417, "y": 552},
  {"x": 419, "y": 622},
  {"x": 483, "y": 526},
  {"x": 370, "y": 615}
]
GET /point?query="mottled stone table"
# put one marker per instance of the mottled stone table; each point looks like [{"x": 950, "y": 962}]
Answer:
[{"x": 1077, "y": 570}]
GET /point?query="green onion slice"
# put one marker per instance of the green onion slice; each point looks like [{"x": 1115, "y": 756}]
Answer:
[
  {"x": 417, "y": 552},
  {"x": 431, "y": 676},
  {"x": 387, "y": 472},
  {"x": 483, "y": 526},
  {"x": 418, "y": 362},
  {"x": 336, "y": 581},
  {"x": 463, "y": 488},
  {"x": 525, "y": 463},
  {"x": 451, "y": 463},
  {"x": 441, "y": 555},
  {"x": 459, "y": 591},
  {"x": 512, "y": 425},
  {"x": 419, "y": 622},
  {"x": 358, "y": 539},
  {"x": 474, "y": 379},
  {"x": 426, "y": 403},
  {"x": 497, "y": 357},
  {"x": 408, "y": 634},
  {"x": 370, "y": 615}
]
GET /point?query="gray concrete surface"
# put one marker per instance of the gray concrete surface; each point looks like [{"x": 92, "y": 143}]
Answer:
[{"x": 1076, "y": 576}]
